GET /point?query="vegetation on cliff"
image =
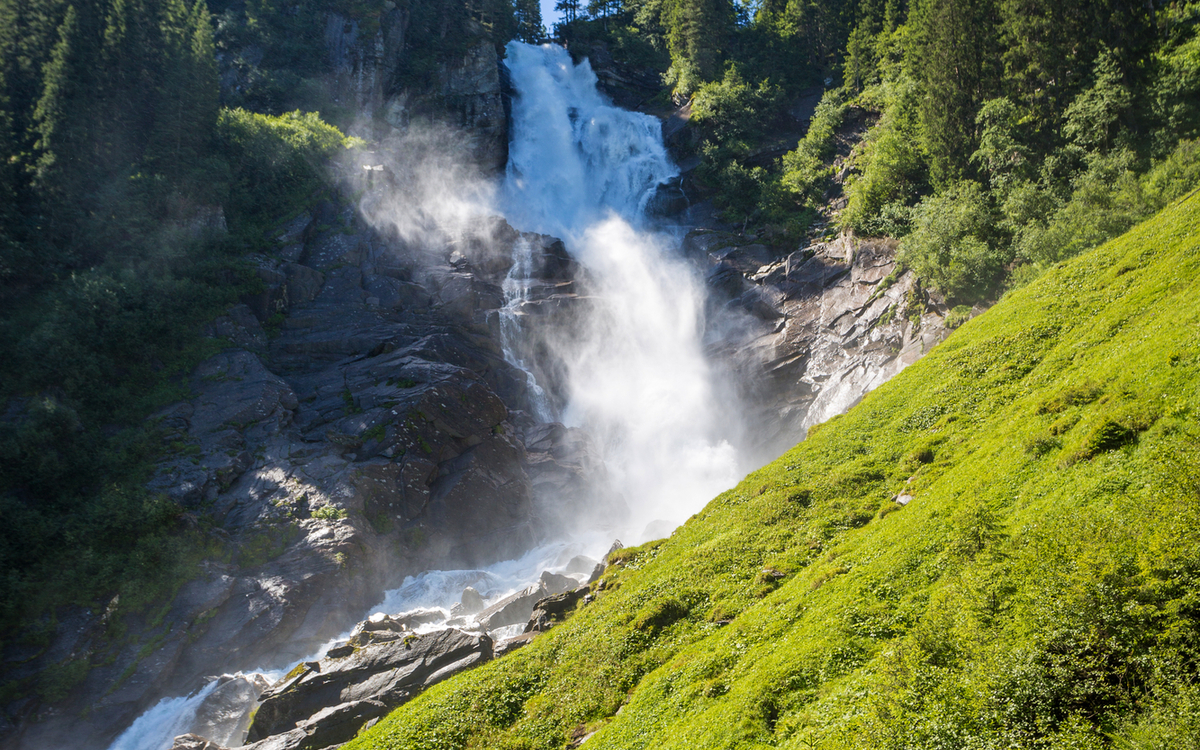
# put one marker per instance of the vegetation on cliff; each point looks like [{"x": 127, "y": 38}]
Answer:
[
  {"x": 128, "y": 198},
  {"x": 997, "y": 548},
  {"x": 1005, "y": 136},
  {"x": 1058, "y": 124}
]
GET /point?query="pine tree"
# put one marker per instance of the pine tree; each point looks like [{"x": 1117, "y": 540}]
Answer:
[
  {"x": 569, "y": 9},
  {"x": 186, "y": 107},
  {"x": 530, "y": 28},
  {"x": 697, "y": 32},
  {"x": 63, "y": 120},
  {"x": 29, "y": 32},
  {"x": 954, "y": 55},
  {"x": 1050, "y": 46},
  {"x": 139, "y": 41}
]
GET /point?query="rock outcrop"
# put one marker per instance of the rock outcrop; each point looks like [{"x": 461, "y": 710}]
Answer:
[
  {"x": 325, "y": 703},
  {"x": 808, "y": 333},
  {"x": 362, "y": 425}
]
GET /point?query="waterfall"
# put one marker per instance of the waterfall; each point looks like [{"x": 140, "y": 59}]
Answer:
[
  {"x": 637, "y": 378},
  {"x": 159, "y": 725}
]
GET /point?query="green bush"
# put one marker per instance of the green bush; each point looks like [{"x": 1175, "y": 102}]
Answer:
[
  {"x": 891, "y": 164},
  {"x": 1106, "y": 199},
  {"x": 329, "y": 513},
  {"x": 951, "y": 243},
  {"x": 277, "y": 163},
  {"x": 806, "y": 171},
  {"x": 732, "y": 113}
]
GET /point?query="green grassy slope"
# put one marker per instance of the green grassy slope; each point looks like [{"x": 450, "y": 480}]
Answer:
[{"x": 1041, "y": 589}]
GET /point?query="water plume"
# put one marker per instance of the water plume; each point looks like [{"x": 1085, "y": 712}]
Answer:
[{"x": 636, "y": 374}]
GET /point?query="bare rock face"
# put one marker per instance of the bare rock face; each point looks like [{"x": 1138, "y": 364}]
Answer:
[
  {"x": 513, "y": 609},
  {"x": 554, "y": 609},
  {"x": 325, "y": 703},
  {"x": 813, "y": 330},
  {"x": 336, "y": 696},
  {"x": 357, "y": 443},
  {"x": 222, "y": 717}
]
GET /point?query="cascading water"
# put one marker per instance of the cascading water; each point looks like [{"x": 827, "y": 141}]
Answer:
[
  {"x": 637, "y": 378},
  {"x": 516, "y": 294},
  {"x": 636, "y": 375}
]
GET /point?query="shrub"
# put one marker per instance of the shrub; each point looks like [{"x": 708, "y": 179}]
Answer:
[
  {"x": 329, "y": 513},
  {"x": 733, "y": 111},
  {"x": 891, "y": 163},
  {"x": 805, "y": 172},
  {"x": 277, "y": 162},
  {"x": 959, "y": 315},
  {"x": 659, "y": 614},
  {"x": 950, "y": 244},
  {"x": 1109, "y": 435}
]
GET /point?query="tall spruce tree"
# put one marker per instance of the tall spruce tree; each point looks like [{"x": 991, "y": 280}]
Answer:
[
  {"x": 64, "y": 118},
  {"x": 186, "y": 109},
  {"x": 954, "y": 55},
  {"x": 1050, "y": 46},
  {"x": 697, "y": 34},
  {"x": 530, "y": 28}
]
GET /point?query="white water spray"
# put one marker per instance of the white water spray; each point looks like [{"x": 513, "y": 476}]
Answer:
[
  {"x": 584, "y": 170},
  {"x": 158, "y": 726}
]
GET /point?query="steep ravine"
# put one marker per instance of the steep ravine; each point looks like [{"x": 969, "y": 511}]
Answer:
[{"x": 368, "y": 421}]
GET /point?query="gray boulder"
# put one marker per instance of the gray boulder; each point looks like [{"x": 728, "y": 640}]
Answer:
[
  {"x": 511, "y": 609},
  {"x": 332, "y": 699},
  {"x": 552, "y": 610}
]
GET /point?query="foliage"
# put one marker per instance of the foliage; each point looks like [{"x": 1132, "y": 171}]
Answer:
[
  {"x": 1106, "y": 200},
  {"x": 891, "y": 163},
  {"x": 1020, "y": 599},
  {"x": 952, "y": 243},
  {"x": 696, "y": 31},
  {"x": 733, "y": 113},
  {"x": 949, "y": 55},
  {"x": 1091, "y": 119},
  {"x": 113, "y": 148},
  {"x": 278, "y": 162},
  {"x": 805, "y": 170}
]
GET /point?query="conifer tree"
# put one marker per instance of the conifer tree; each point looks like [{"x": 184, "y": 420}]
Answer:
[
  {"x": 139, "y": 38},
  {"x": 63, "y": 120},
  {"x": 1050, "y": 46},
  {"x": 186, "y": 107},
  {"x": 697, "y": 31},
  {"x": 530, "y": 28},
  {"x": 954, "y": 56},
  {"x": 569, "y": 9}
]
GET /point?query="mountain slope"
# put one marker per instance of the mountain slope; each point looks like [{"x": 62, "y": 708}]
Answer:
[{"x": 1039, "y": 588}]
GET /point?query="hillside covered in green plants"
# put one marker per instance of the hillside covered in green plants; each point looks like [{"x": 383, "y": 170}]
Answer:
[{"x": 997, "y": 548}]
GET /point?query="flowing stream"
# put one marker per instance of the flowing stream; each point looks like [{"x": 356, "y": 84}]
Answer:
[{"x": 636, "y": 375}]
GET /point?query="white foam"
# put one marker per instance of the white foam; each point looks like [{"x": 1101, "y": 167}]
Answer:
[{"x": 157, "y": 728}]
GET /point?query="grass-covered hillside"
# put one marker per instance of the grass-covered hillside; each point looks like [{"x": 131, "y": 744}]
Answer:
[{"x": 1040, "y": 589}]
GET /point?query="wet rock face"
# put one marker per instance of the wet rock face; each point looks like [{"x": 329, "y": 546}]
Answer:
[
  {"x": 809, "y": 333},
  {"x": 325, "y": 703},
  {"x": 341, "y": 443},
  {"x": 336, "y": 696},
  {"x": 222, "y": 717}
]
